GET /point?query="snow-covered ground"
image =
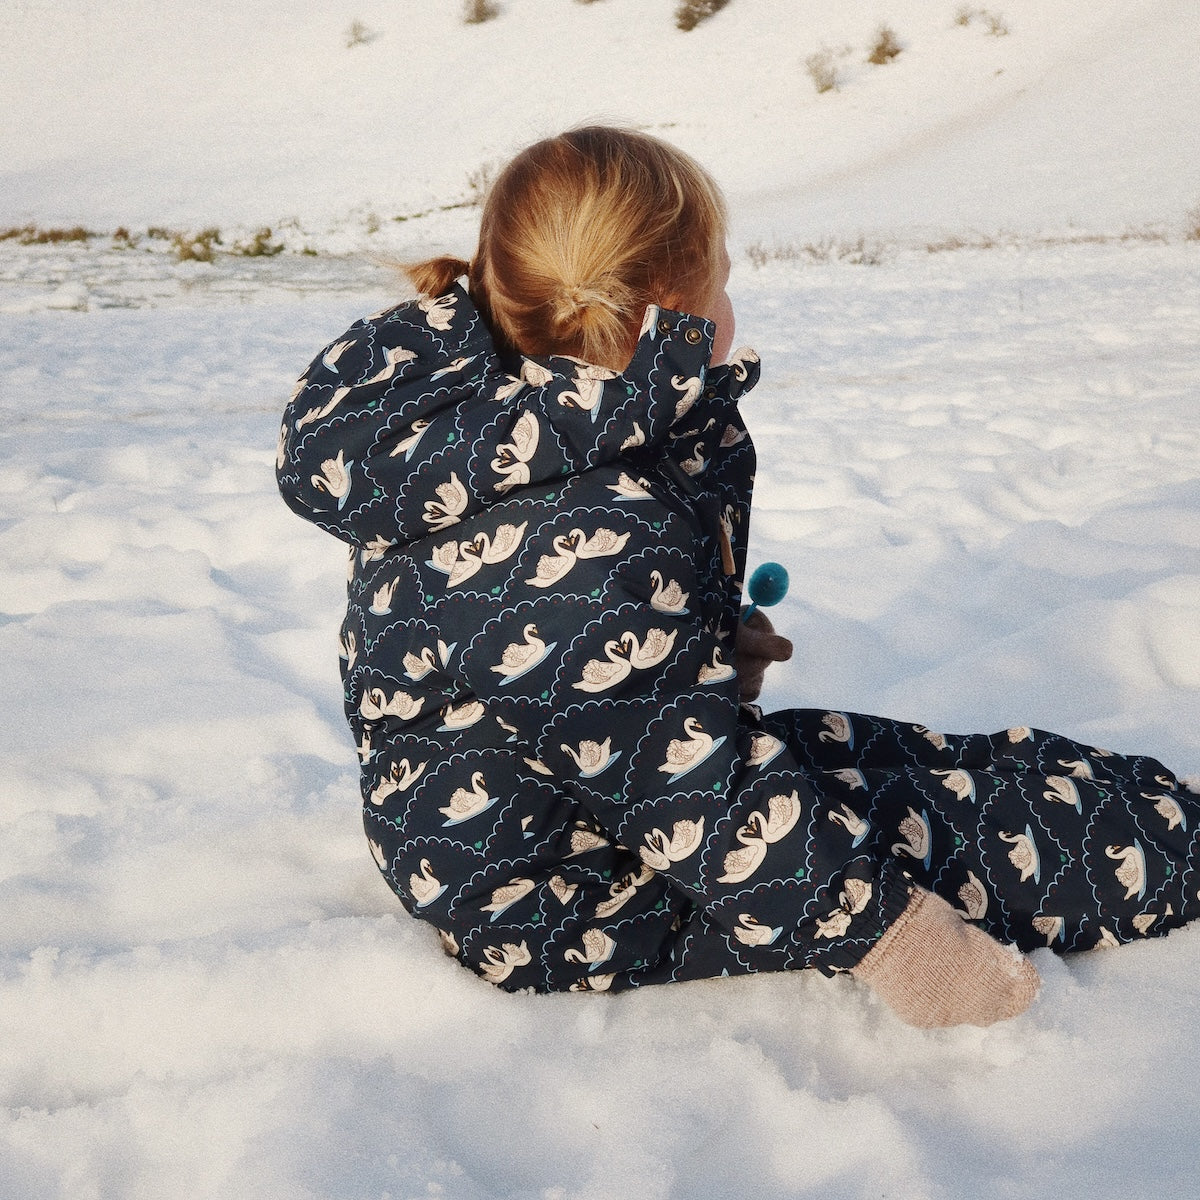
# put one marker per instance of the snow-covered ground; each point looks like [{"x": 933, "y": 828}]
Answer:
[{"x": 981, "y": 465}]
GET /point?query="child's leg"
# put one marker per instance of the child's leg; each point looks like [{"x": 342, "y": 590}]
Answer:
[{"x": 1042, "y": 840}]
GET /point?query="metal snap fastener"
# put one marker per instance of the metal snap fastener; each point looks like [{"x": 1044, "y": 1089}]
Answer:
[
  {"x": 664, "y": 326},
  {"x": 693, "y": 335}
]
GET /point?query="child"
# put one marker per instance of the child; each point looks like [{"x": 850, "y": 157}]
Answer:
[{"x": 545, "y": 484}]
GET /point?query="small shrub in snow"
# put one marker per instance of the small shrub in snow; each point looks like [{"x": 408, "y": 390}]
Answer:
[
  {"x": 1191, "y": 229},
  {"x": 822, "y": 69},
  {"x": 259, "y": 246},
  {"x": 475, "y": 12},
  {"x": 359, "y": 35},
  {"x": 994, "y": 25},
  {"x": 196, "y": 247},
  {"x": 689, "y": 13},
  {"x": 859, "y": 252},
  {"x": 34, "y": 235},
  {"x": 885, "y": 46}
]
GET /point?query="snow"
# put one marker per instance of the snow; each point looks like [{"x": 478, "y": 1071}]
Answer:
[{"x": 980, "y": 466}]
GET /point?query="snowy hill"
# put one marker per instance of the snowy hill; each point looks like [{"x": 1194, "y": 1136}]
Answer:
[
  {"x": 251, "y": 113},
  {"x": 982, "y": 466}
]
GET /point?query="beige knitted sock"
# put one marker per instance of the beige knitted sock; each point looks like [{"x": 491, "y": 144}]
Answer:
[{"x": 933, "y": 969}]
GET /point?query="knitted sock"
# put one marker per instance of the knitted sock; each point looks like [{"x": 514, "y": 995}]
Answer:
[{"x": 933, "y": 969}]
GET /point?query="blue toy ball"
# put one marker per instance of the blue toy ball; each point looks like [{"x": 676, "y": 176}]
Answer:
[{"x": 768, "y": 585}]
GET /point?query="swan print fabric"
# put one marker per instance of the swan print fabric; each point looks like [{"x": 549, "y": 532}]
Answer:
[{"x": 539, "y": 674}]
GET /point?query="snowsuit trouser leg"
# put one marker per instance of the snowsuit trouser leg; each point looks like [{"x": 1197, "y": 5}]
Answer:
[{"x": 1040, "y": 839}]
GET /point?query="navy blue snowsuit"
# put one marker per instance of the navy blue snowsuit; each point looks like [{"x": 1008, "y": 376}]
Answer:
[{"x": 539, "y": 669}]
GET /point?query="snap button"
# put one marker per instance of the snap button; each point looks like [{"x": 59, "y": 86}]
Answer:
[
  {"x": 693, "y": 335},
  {"x": 664, "y": 326}
]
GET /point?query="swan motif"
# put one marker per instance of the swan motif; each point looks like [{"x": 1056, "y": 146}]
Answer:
[
  {"x": 521, "y": 657},
  {"x": 1062, "y": 789},
  {"x": 425, "y": 887},
  {"x": 1169, "y": 809},
  {"x": 589, "y": 389},
  {"x": 838, "y": 729},
  {"x": 650, "y": 651},
  {"x": 393, "y": 357},
  {"x": 760, "y": 830},
  {"x": 738, "y": 360},
  {"x": 597, "y": 949},
  {"x": 856, "y": 895},
  {"x": 622, "y": 891},
  {"x": 1050, "y": 928},
  {"x": 534, "y": 374},
  {"x": 375, "y": 705},
  {"x": 914, "y": 830},
  {"x": 974, "y": 899},
  {"x": 377, "y": 854},
  {"x": 438, "y": 310},
  {"x": 407, "y": 446},
  {"x": 584, "y": 840},
  {"x": 507, "y": 895},
  {"x": 852, "y": 777},
  {"x": 400, "y": 777},
  {"x": 513, "y": 458},
  {"x": 381, "y": 601},
  {"x": 687, "y": 753},
  {"x": 635, "y": 439},
  {"x": 629, "y": 488},
  {"x": 553, "y": 567},
  {"x": 1078, "y": 768},
  {"x": 496, "y": 547},
  {"x": 449, "y": 506},
  {"x": 455, "y": 367},
  {"x": 329, "y": 359},
  {"x": 417, "y": 666},
  {"x": 689, "y": 389},
  {"x": 563, "y": 891},
  {"x": 1024, "y": 854},
  {"x": 593, "y": 983},
  {"x": 364, "y": 747},
  {"x": 601, "y": 544},
  {"x": 667, "y": 597},
  {"x": 852, "y": 823},
  {"x": 319, "y": 414},
  {"x": 750, "y": 932},
  {"x": 599, "y": 676},
  {"x": 1020, "y": 733},
  {"x": 834, "y": 925},
  {"x": 375, "y": 549},
  {"x": 763, "y": 748},
  {"x": 1131, "y": 874},
  {"x": 334, "y": 478},
  {"x": 958, "y": 781},
  {"x": 500, "y": 961},
  {"x": 444, "y": 557},
  {"x": 461, "y": 716},
  {"x": 466, "y": 803},
  {"x": 506, "y": 391},
  {"x": 660, "y": 851},
  {"x": 695, "y": 463},
  {"x": 717, "y": 670},
  {"x": 731, "y": 436},
  {"x": 1143, "y": 921},
  {"x": 592, "y": 757},
  {"x": 937, "y": 740},
  {"x": 536, "y": 764}
]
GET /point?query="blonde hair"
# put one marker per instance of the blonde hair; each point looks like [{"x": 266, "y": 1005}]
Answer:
[{"x": 579, "y": 233}]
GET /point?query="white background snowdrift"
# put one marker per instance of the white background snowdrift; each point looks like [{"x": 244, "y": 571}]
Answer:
[{"x": 981, "y": 466}]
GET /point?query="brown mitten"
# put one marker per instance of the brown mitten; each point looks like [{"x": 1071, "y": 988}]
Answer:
[
  {"x": 758, "y": 646},
  {"x": 934, "y": 969}
]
